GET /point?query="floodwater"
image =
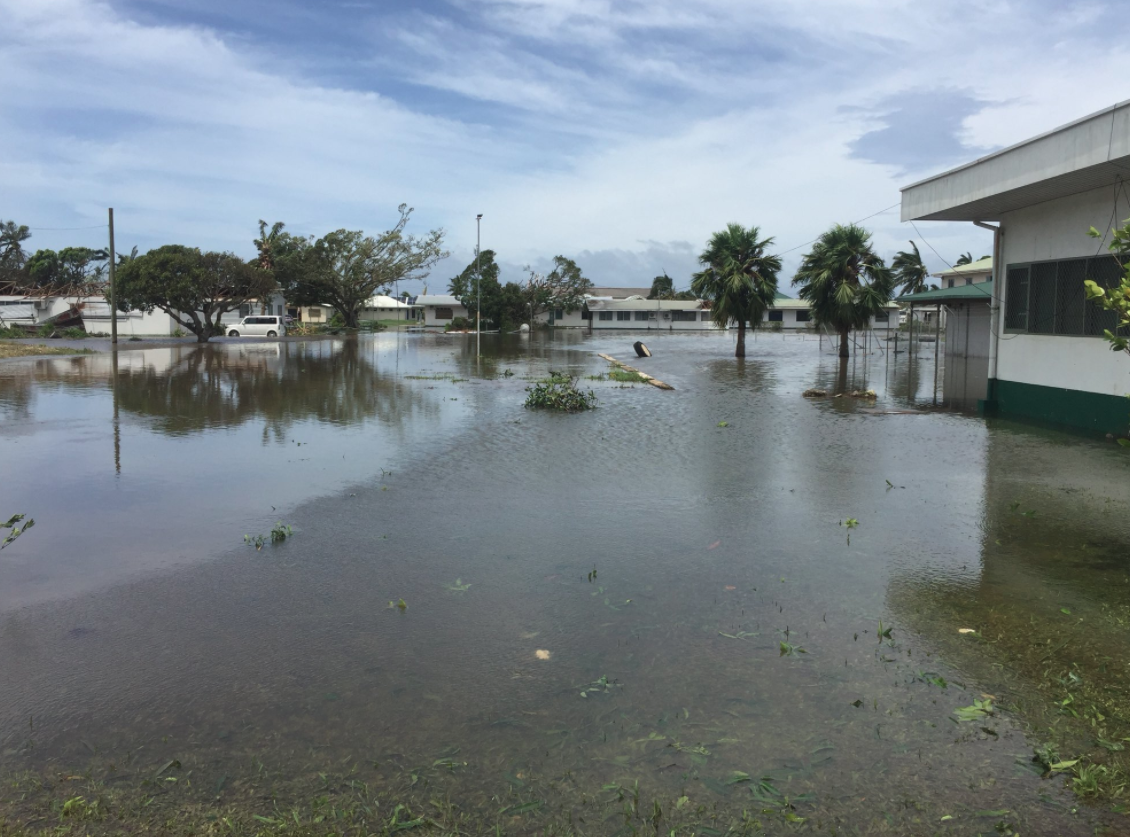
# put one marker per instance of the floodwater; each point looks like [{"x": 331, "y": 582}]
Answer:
[{"x": 638, "y": 594}]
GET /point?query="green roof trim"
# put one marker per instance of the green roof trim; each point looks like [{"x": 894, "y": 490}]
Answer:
[{"x": 981, "y": 290}]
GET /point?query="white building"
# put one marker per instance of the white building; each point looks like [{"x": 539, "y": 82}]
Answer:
[
  {"x": 796, "y": 315},
  {"x": 438, "y": 310},
  {"x": 96, "y": 314},
  {"x": 383, "y": 307},
  {"x": 966, "y": 274},
  {"x": 1047, "y": 358},
  {"x": 646, "y": 314}
]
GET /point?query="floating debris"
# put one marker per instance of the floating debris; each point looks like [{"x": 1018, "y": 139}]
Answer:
[
  {"x": 815, "y": 393},
  {"x": 542, "y": 654}
]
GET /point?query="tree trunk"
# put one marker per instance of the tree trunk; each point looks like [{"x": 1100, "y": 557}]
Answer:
[
  {"x": 740, "y": 350},
  {"x": 202, "y": 335},
  {"x": 350, "y": 318},
  {"x": 844, "y": 343}
]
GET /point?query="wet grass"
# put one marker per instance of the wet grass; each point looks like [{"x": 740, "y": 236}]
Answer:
[{"x": 10, "y": 350}]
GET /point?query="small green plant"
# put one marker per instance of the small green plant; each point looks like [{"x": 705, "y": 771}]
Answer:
[
  {"x": 980, "y": 710},
  {"x": 14, "y": 529},
  {"x": 601, "y": 686},
  {"x": 281, "y": 532},
  {"x": 400, "y": 605},
  {"x": 883, "y": 633},
  {"x": 256, "y": 541},
  {"x": 178, "y": 332},
  {"x": 560, "y": 394},
  {"x": 723, "y": 424},
  {"x": 790, "y": 650},
  {"x": 851, "y": 523}
]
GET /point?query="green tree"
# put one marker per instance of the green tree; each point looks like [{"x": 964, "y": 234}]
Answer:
[
  {"x": 966, "y": 258},
  {"x": 739, "y": 278},
  {"x": 268, "y": 241},
  {"x": 195, "y": 289},
  {"x": 910, "y": 271},
  {"x": 844, "y": 281},
  {"x": 662, "y": 287},
  {"x": 13, "y": 258},
  {"x": 78, "y": 271},
  {"x": 469, "y": 291},
  {"x": 563, "y": 287},
  {"x": 346, "y": 268}
]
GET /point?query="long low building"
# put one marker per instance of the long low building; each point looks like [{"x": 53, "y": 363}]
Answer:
[{"x": 1047, "y": 356}]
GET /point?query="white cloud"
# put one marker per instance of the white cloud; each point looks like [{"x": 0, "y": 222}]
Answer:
[{"x": 587, "y": 128}]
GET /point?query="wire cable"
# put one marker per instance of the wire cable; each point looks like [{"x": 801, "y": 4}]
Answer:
[
  {"x": 69, "y": 229},
  {"x": 860, "y": 221}
]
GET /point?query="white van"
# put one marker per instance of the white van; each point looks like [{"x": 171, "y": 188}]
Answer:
[{"x": 265, "y": 325}]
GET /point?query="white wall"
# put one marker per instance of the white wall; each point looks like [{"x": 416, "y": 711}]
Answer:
[
  {"x": 430, "y": 314},
  {"x": 967, "y": 330},
  {"x": 1058, "y": 230}
]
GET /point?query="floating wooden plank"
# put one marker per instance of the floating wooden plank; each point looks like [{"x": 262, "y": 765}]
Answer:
[{"x": 655, "y": 382}]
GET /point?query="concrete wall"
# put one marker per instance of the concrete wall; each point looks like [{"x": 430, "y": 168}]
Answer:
[{"x": 1058, "y": 230}]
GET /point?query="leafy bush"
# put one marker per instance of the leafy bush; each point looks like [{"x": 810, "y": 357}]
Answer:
[
  {"x": 559, "y": 393},
  {"x": 460, "y": 324}
]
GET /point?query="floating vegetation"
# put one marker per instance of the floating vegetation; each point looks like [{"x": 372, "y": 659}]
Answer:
[
  {"x": 815, "y": 393},
  {"x": 790, "y": 650},
  {"x": 14, "y": 529},
  {"x": 400, "y": 605},
  {"x": 980, "y": 710},
  {"x": 559, "y": 394},
  {"x": 281, "y": 532},
  {"x": 851, "y": 523},
  {"x": 626, "y": 376},
  {"x": 601, "y": 686},
  {"x": 723, "y": 424},
  {"x": 458, "y": 586}
]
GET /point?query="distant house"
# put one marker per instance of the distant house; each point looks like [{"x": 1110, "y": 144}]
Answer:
[
  {"x": 437, "y": 310},
  {"x": 796, "y": 315},
  {"x": 637, "y": 312},
  {"x": 382, "y": 307},
  {"x": 966, "y": 274},
  {"x": 1047, "y": 356}
]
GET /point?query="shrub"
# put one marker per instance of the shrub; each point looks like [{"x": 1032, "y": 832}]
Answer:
[
  {"x": 559, "y": 393},
  {"x": 460, "y": 324}
]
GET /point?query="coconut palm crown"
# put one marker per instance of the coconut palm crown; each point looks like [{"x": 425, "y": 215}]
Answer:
[
  {"x": 844, "y": 281},
  {"x": 739, "y": 278},
  {"x": 910, "y": 271}
]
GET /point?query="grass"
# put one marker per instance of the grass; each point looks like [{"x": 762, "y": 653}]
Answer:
[
  {"x": 10, "y": 350},
  {"x": 626, "y": 376}
]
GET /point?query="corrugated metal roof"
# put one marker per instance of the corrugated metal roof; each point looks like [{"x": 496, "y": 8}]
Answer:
[
  {"x": 437, "y": 299},
  {"x": 980, "y": 290},
  {"x": 618, "y": 293}
]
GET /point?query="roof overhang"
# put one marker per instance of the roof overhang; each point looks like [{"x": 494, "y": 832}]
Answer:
[{"x": 1087, "y": 154}]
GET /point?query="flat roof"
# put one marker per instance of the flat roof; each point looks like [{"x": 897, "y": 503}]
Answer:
[
  {"x": 1086, "y": 154},
  {"x": 978, "y": 291}
]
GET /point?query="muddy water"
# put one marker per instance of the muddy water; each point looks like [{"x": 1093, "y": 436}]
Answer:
[{"x": 710, "y": 623}]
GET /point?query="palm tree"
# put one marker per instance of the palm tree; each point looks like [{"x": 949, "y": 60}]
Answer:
[
  {"x": 910, "y": 271},
  {"x": 266, "y": 243},
  {"x": 739, "y": 278},
  {"x": 844, "y": 280}
]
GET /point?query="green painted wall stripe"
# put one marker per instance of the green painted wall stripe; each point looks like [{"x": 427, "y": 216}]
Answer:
[{"x": 1058, "y": 406}]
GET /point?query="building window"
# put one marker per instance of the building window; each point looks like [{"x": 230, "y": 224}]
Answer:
[
  {"x": 586, "y": 314},
  {"x": 684, "y": 316},
  {"x": 559, "y": 314},
  {"x": 706, "y": 316},
  {"x": 623, "y": 316},
  {"x": 445, "y": 314},
  {"x": 949, "y": 283},
  {"x": 604, "y": 316},
  {"x": 1048, "y": 298},
  {"x": 643, "y": 316},
  {"x": 883, "y": 317},
  {"x": 278, "y": 310},
  {"x": 245, "y": 310},
  {"x": 969, "y": 280},
  {"x": 314, "y": 313},
  {"x": 776, "y": 316},
  {"x": 803, "y": 315}
]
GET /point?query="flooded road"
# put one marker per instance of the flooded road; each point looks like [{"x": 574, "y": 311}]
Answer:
[{"x": 723, "y": 609}]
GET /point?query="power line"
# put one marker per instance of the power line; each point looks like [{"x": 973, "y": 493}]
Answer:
[
  {"x": 67, "y": 229},
  {"x": 860, "y": 221}
]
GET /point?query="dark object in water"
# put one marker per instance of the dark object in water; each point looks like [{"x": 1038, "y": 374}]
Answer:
[{"x": 641, "y": 349}]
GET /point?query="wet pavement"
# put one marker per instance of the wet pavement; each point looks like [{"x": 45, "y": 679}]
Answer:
[{"x": 670, "y": 589}]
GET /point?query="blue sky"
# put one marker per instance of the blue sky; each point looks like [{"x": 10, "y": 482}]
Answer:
[{"x": 620, "y": 134}]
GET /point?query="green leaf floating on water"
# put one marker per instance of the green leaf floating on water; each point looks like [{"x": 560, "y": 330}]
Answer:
[{"x": 978, "y": 711}]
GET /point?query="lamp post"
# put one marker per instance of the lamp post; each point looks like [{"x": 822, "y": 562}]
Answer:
[{"x": 478, "y": 287}]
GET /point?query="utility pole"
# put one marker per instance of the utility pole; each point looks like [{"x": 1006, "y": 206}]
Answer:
[
  {"x": 113, "y": 295},
  {"x": 478, "y": 287}
]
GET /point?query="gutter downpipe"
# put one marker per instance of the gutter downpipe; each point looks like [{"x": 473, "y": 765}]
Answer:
[{"x": 988, "y": 405}]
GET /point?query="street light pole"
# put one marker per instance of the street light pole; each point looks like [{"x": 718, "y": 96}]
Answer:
[{"x": 478, "y": 287}]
